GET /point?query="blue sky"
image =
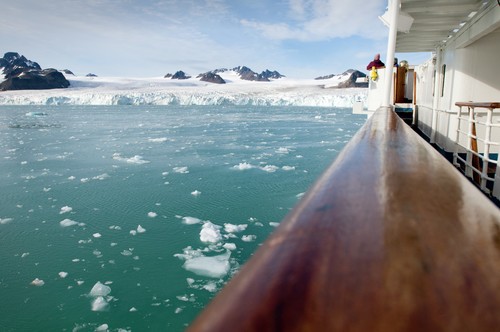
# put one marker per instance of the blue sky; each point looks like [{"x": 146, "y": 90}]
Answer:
[{"x": 146, "y": 38}]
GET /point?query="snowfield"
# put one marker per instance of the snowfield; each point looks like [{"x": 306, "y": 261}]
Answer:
[{"x": 164, "y": 91}]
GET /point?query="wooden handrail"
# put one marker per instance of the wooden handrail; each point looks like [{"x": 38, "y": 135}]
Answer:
[
  {"x": 479, "y": 105},
  {"x": 390, "y": 238}
]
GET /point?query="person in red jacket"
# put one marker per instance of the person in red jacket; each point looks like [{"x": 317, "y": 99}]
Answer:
[{"x": 375, "y": 63}]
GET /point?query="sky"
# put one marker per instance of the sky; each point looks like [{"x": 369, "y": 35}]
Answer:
[{"x": 150, "y": 38}]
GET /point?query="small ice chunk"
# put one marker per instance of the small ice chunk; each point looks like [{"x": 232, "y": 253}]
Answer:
[
  {"x": 99, "y": 289},
  {"x": 38, "y": 282},
  {"x": 269, "y": 168},
  {"x": 211, "y": 287},
  {"x": 140, "y": 229},
  {"x": 196, "y": 193},
  {"x": 214, "y": 267},
  {"x": 99, "y": 304},
  {"x": 133, "y": 309},
  {"x": 96, "y": 235},
  {"x": 229, "y": 246},
  {"x": 248, "y": 238},
  {"x": 190, "y": 220},
  {"x": 63, "y": 274},
  {"x": 25, "y": 254},
  {"x": 4, "y": 221},
  {"x": 210, "y": 233},
  {"x": 67, "y": 223},
  {"x": 152, "y": 214},
  {"x": 66, "y": 209},
  {"x": 71, "y": 178},
  {"x": 242, "y": 166},
  {"x": 181, "y": 170},
  {"x": 282, "y": 150},
  {"x": 158, "y": 140},
  {"x": 288, "y": 168},
  {"x": 101, "y": 328},
  {"x": 133, "y": 232},
  {"x": 190, "y": 281},
  {"x": 230, "y": 228},
  {"x": 178, "y": 310},
  {"x": 274, "y": 224}
]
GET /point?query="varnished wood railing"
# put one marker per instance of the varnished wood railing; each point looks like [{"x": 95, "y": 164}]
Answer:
[{"x": 390, "y": 238}]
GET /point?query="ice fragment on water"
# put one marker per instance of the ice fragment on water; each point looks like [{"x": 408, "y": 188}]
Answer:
[
  {"x": 229, "y": 246},
  {"x": 67, "y": 223},
  {"x": 210, "y": 233},
  {"x": 158, "y": 140},
  {"x": 196, "y": 193},
  {"x": 152, "y": 214},
  {"x": 243, "y": 166},
  {"x": 248, "y": 238},
  {"x": 269, "y": 168},
  {"x": 4, "y": 221},
  {"x": 181, "y": 170},
  {"x": 66, "y": 209},
  {"x": 214, "y": 267},
  {"x": 63, "y": 274},
  {"x": 96, "y": 235},
  {"x": 140, "y": 229},
  {"x": 230, "y": 228},
  {"x": 99, "y": 304},
  {"x": 99, "y": 289},
  {"x": 211, "y": 287},
  {"x": 190, "y": 220},
  {"x": 38, "y": 282},
  {"x": 133, "y": 309},
  {"x": 101, "y": 328},
  {"x": 288, "y": 168}
]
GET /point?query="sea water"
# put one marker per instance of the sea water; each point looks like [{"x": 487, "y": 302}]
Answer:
[{"x": 131, "y": 218}]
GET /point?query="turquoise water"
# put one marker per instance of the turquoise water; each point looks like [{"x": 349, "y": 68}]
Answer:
[{"x": 138, "y": 201}]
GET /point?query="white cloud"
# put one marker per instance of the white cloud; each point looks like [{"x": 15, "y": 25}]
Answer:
[{"x": 315, "y": 20}]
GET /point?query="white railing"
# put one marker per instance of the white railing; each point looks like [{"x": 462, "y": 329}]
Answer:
[{"x": 476, "y": 151}]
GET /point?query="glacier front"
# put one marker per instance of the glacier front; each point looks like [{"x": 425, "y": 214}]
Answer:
[{"x": 161, "y": 91}]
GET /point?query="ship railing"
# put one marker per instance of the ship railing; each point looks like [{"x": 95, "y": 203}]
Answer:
[
  {"x": 476, "y": 151},
  {"x": 391, "y": 237}
]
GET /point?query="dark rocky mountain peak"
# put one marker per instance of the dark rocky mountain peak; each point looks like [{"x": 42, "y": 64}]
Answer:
[
  {"x": 180, "y": 75},
  {"x": 211, "y": 77},
  {"x": 23, "y": 74}
]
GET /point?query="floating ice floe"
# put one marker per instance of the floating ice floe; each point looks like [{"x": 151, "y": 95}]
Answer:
[
  {"x": 214, "y": 267},
  {"x": 190, "y": 220},
  {"x": 229, "y": 246},
  {"x": 97, "y": 235},
  {"x": 274, "y": 224},
  {"x": 248, "y": 238},
  {"x": 230, "y": 228},
  {"x": 181, "y": 170},
  {"x": 140, "y": 229},
  {"x": 65, "y": 209},
  {"x": 243, "y": 166},
  {"x": 282, "y": 150},
  {"x": 152, "y": 214},
  {"x": 63, "y": 274},
  {"x": 99, "y": 289},
  {"x": 288, "y": 168},
  {"x": 98, "y": 292},
  {"x": 37, "y": 282},
  {"x": 132, "y": 160},
  {"x": 270, "y": 168},
  {"x": 210, "y": 233},
  {"x": 100, "y": 304},
  {"x": 4, "y": 221},
  {"x": 67, "y": 223},
  {"x": 102, "y": 328},
  {"x": 158, "y": 140},
  {"x": 196, "y": 193}
]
